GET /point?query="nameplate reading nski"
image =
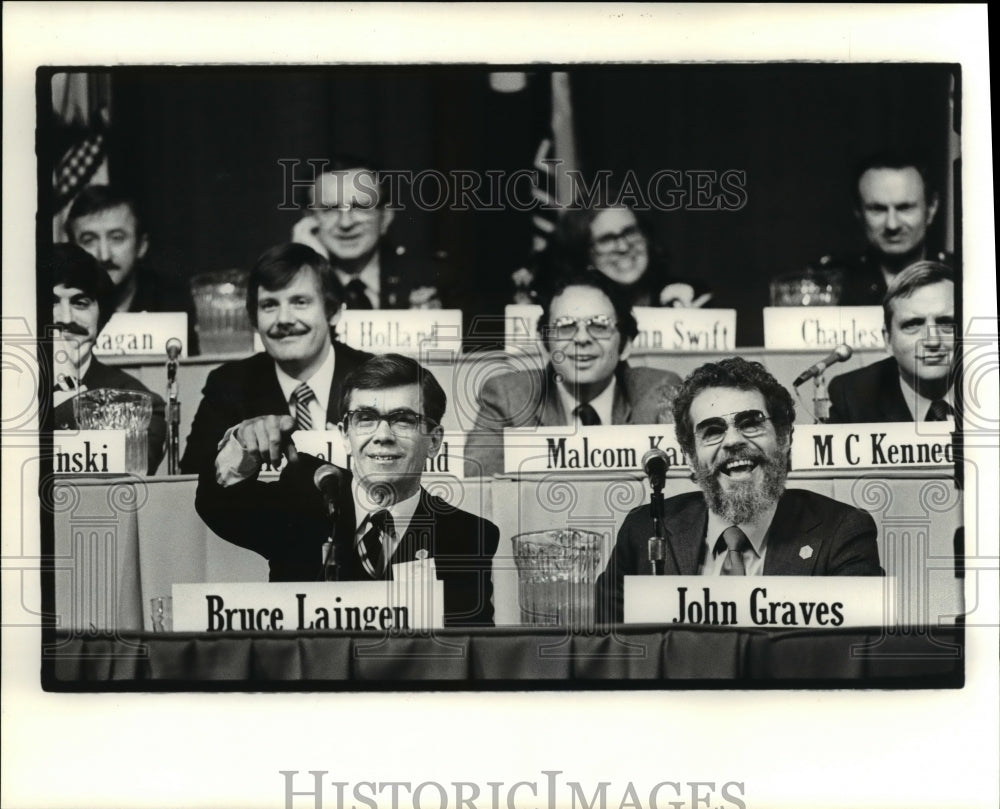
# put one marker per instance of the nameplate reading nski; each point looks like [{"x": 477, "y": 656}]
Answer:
[
  {"x": 88, "y": 452},
  {"x": 404, "y": 331},
  {"x": 815, "y": 602},
  {"x": 660, "y": 329},
  {"x": 142, "y": 334},
  {"x": 608, "y": 447},
  {"x": 873, "y": 446},
  {"x": 353, "y": 606},
  {"x": 328, "y": 446},
  {"x": 823, "y": 327}
]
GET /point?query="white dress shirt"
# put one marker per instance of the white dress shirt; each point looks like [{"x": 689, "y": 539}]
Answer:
[
  {"x": 402, "y": 514},
  {"x": 603, "y": 403}
]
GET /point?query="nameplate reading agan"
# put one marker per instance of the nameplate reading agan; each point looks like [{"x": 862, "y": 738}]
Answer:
[
  {"x": 88, "y": 452},
  {"x": 142, "y": 334},
  {"x": 873, "y": 446},
  {"x": 608, "y": 447},
  {"x": 352, "y": 606},
  {"x": 404, "y": 331},
  {"x": 822, "y": 327},
  {"x": 660, "y": 329},
  {"x": 770, "y": 602}
]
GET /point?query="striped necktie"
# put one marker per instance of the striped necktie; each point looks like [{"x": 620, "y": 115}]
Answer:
[
  {"x": 303, "y": 396},
  {"x": 371, "y": 543},
  {"x": 939, "y": 410}
]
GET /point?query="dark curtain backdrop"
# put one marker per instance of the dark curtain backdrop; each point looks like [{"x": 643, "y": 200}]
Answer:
[{"x": 202, "y": 147}]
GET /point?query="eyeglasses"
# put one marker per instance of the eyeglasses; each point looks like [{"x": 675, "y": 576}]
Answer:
[
  {"x": 401, "y": 422},
  {"x": 750, "y": 423},
  {"x": 609, "y": 241},
  {"x": 358, "y": 210},
  {"x": 600, "y": 327}
]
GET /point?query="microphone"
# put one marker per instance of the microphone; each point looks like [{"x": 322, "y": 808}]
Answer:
[
  {"x": 174, "y": 348},
  {"x": 655, "y": 465},
  {"x": 839, "y": 354},
  {"x": 327, "y": 479}
]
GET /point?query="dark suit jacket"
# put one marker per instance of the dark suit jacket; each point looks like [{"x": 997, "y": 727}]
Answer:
[
  {"x": 161, "y": 292},
  {"x": 870, "y": 394},
  {"x": 531, "y": 399},
  {"x": 247, "y": 388},
  {"x": 842, "y": 539},
  {"x": 287, "y": 522},
  {"x": 100, "y": 375}
]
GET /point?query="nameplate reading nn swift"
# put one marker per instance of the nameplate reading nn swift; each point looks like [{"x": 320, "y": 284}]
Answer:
[
  {"x": 615, "y": 447},
  {"x": 769, "y": 602},
  {"x": 405, "y": 604},
  {"x": 819, "y": 327}
]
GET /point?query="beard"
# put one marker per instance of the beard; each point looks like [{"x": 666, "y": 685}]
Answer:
[{"x": 745, "y": 500}]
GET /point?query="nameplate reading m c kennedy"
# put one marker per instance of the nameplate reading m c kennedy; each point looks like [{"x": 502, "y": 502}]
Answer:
[
  {"x": 350, "y": 606},
  {"x": 612, "y": 447},
  {"x": 772, "y": 602},
  {"x": 660, "y": 329},
  {"x": 873, "y": 446}
]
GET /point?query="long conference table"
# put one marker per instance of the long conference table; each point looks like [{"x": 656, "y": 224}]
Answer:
[{"x": 119, "y": 542}]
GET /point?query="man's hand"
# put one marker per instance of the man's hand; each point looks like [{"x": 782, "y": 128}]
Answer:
[{"x": 265, "y": 438}]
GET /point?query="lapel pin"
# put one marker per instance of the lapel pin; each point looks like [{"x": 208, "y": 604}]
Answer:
[
  {"x": 421, "y": 554},
  {"x": 806, "y": 552}
]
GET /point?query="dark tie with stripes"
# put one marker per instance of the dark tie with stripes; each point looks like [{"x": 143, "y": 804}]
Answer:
[
  {"x": 587, "y": 415},
  {"x": 734, "y": 542},
  {"x": 939, "y": 410},
  {"x": 303, "y": 396},
  {"x": 371, "y": 543},
  {"x": 356, "y": 297}
]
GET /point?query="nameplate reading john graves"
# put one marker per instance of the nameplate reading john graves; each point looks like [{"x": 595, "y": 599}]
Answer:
[
  {"x": 88, "y": 452},
  {"x": 328, "y": 446},
  {"x": 874, "y": 446},
  {"x": 823, "y": 327},
  {"x": 350, "y": 606},
  {"x": 672, "y": 329},
  {"x": 769, "y": 602},
  {"x": 142, "y": 334},
  {"x": 403, "y": 331},
  {"x": 605, "y": 448}
]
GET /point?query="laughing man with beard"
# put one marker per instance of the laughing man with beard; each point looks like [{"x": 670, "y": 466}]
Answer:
[{"x": 734, "y": 422}]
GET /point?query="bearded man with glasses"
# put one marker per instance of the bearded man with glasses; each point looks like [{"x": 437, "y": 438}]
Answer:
[
  {"x": 734, "y": 422},
  {"x": 586, "y": 331}
]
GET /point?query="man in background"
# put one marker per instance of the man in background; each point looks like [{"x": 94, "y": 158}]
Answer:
[
  {"x": 586, "y": 331},
  {"x": 106, "y": 222},
  {"x": 915, "y": 383},
  {"x": 895, "y": 203},
  {"x": 82, "y": 304},
  {"x": 733, "y": 421},
  {"x": 250, "y": 406}
]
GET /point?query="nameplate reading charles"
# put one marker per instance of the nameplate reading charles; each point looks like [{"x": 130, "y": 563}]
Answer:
[
  {"x": 404, "y": 331},
  {"x": 613, "y": 447},
  {"x": 823, "y": 327},
  {"x": 142, "y": 334},
  {"x": 660, "y": 329},
  {"x": 349, "y": 606},
  {"x": 88, "y": 452},
  {"x": 770, "y": 602},
  {"x": 892, "y": 445}
]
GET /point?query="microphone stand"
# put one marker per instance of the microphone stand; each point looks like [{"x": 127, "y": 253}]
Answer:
[
  {"x": 821, "y": 400},
  {"x": 173, "y": 416},
  {"x": 657, "y": 542},
  {"x": 330, "y": 570}
]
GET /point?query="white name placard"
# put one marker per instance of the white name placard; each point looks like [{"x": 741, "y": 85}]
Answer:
[
  {"x": 823, "y": 327},
  {"x": 672, "y": 329},
  {"x": 608, "y": 447},
  {"x": 660, "y": 329},
  {"x": 412, "y": 603},
  {"x": 142, "y": 334},
  {"x": 404, "y": 331},
  {"x": 773, "y": 602},
  {"x": 88, "y": 452},
  {"x": 873, "y": 446},
  {"x": 329, "y": 446}
]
